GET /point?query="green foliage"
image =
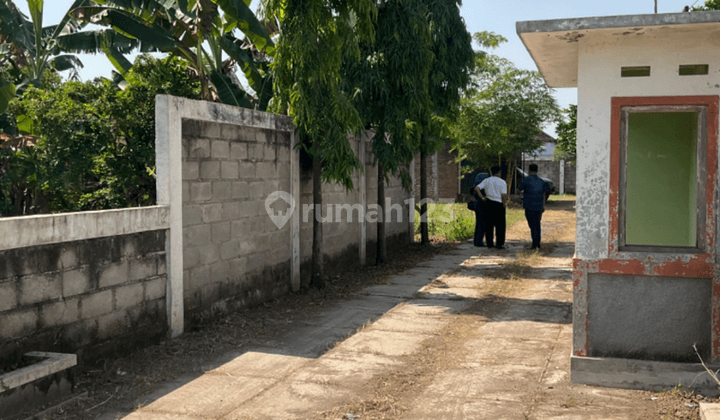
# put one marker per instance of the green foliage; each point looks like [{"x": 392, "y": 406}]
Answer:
[
  {"x": 95, "y": 144},
  {"x": 316, "y": 37},
  {"x": 454, "y": 222},
  {"x": 709, "y": 5},
  {"x": 29, "y": 52},
  {"x": 450, "y": 71},
  {"x": 503, "y": 113},
  {"x": 228, "y": 92},
  {"x": 7, "y": 92},
  {"x": 29, "y": 48},
  {"x": 200, "y": 32},
  {"x": 567, "y": 135},
  {"x": 390, "y": 82}
]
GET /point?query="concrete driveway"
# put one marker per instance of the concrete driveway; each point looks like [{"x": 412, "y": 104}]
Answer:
[{"x": 474, "y": 334}]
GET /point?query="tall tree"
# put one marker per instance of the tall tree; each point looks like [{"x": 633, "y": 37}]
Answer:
[
  {"x": 567, "y": 135},
  {"x": 391, "y": 82},
  {"x": 316, "y": 36},
  {"x": 452, "y": 63},
  {"x": 503, "y": 113}
]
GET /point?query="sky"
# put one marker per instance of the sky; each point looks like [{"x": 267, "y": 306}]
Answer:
[{"x": 497, "y": 16}]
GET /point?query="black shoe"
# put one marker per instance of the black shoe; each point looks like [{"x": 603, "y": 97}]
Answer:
[
  {"x": 481, "y": 245},
  {"x": 490, "y": 246},
  {"x": 499, "y": 247}
]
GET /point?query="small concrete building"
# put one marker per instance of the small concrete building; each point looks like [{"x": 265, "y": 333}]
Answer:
[{"x": 646, "y": 278}]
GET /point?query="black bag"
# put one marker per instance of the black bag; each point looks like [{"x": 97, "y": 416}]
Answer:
[{"x": 472, "y": 205}]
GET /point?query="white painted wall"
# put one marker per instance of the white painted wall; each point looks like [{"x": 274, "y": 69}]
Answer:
[{"x": 601, "y": 55}]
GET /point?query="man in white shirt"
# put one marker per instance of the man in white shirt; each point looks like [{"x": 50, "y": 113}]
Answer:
[{"x": 493, "y": 193}]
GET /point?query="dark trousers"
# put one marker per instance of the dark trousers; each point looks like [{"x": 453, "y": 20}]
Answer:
[
  {"x": 479, "y": 225},
  {"x": 494, "y": 213},
  {"x": 533, "y": 218}
]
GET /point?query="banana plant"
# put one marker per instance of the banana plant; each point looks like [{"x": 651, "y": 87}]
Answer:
[
  {"x": 34, "y": 47},
  {"x": 28, "y": 50},
  {"x": 199, "y": 31}
]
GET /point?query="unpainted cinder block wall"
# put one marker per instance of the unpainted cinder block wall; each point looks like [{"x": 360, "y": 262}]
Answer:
[
  {"x": 341, "y": 233},
  {"x": 234, "y": 254},
  {"x": 448, "y": 174},
  {"x": 443, "y": 182},
  {"x": 396, "y": 229},
  {"x": 551, "y": 169},
  {"x": 91, "y": 297}
]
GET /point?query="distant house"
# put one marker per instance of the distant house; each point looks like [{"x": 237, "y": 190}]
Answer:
[
  {"x": 449, "y": 183},
  {"x": 443, "y": 173}
]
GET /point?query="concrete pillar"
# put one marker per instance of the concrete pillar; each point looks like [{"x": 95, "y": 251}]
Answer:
[
  {"x": 295, "y": 223},
  {"x": 411, "y": 203},
  {"x": 362, "y": 246},
  {"x": 435, "y": 177},
  {"x": 459, "y": 178},
  {"x": 168, "y": 163},
  {"x": 562, "y": 177}
]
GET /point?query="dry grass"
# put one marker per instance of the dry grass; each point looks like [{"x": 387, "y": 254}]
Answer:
[
  {"x": 116, "y": 383},
  {"x": 387, "y": 396}
]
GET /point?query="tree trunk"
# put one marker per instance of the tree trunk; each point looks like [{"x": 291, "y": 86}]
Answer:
[
  {"x": 424, "y": 232},
  {"x": 318, "y": 266},
  {"x": 381, "y": 242},
  {"x": 509, "y": 176}
]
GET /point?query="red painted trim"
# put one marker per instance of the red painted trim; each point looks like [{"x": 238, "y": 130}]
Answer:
[
  {"x": 617, "y": 103},
  {"x": 615, "y": 116},
  {"x": 697, "y": 266}
]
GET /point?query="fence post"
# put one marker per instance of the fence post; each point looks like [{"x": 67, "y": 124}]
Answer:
[
  {"x": 411, "y": 203},
  {"x": 295, "y": 227},
  {"x": 363, "y": 201},
  {"x": 435, "y": 177},
  {"x": 168, "y": 163}
]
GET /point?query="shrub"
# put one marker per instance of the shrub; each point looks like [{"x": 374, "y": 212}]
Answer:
[{"x": 91, "y": 145}]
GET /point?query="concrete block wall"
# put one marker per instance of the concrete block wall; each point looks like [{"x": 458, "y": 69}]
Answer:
[
  {"x": 233, "y": 252},
  {"x": 91, "y": 296},
  {"x": 551, "y": 169},
  {"x": 448, "y": 175},
  {"x": 570, "y": 178},
  {"x": 95, "y": 282},
  {"x": 342, "y": 236},
  {"x": 433, "y": 177}
]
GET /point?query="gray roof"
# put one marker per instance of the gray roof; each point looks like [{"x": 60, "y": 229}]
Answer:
[{"x": 553, "y": 44}]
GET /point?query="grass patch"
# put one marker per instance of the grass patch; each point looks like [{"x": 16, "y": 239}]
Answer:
[
  {"x": 454, "y": 222},
  {"x": 514, "y": 215},
  {"x": 561, "y": 197}
]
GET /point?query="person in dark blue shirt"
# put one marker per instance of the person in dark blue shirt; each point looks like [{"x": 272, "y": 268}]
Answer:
[
  {"x": 479, "y": 221},
  {"x": 534, "y": 189}
]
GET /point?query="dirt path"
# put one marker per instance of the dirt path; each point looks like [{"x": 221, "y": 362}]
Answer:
[
  {"x": 469, "y": 334},
  {"x": 507, "y": 354}
]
